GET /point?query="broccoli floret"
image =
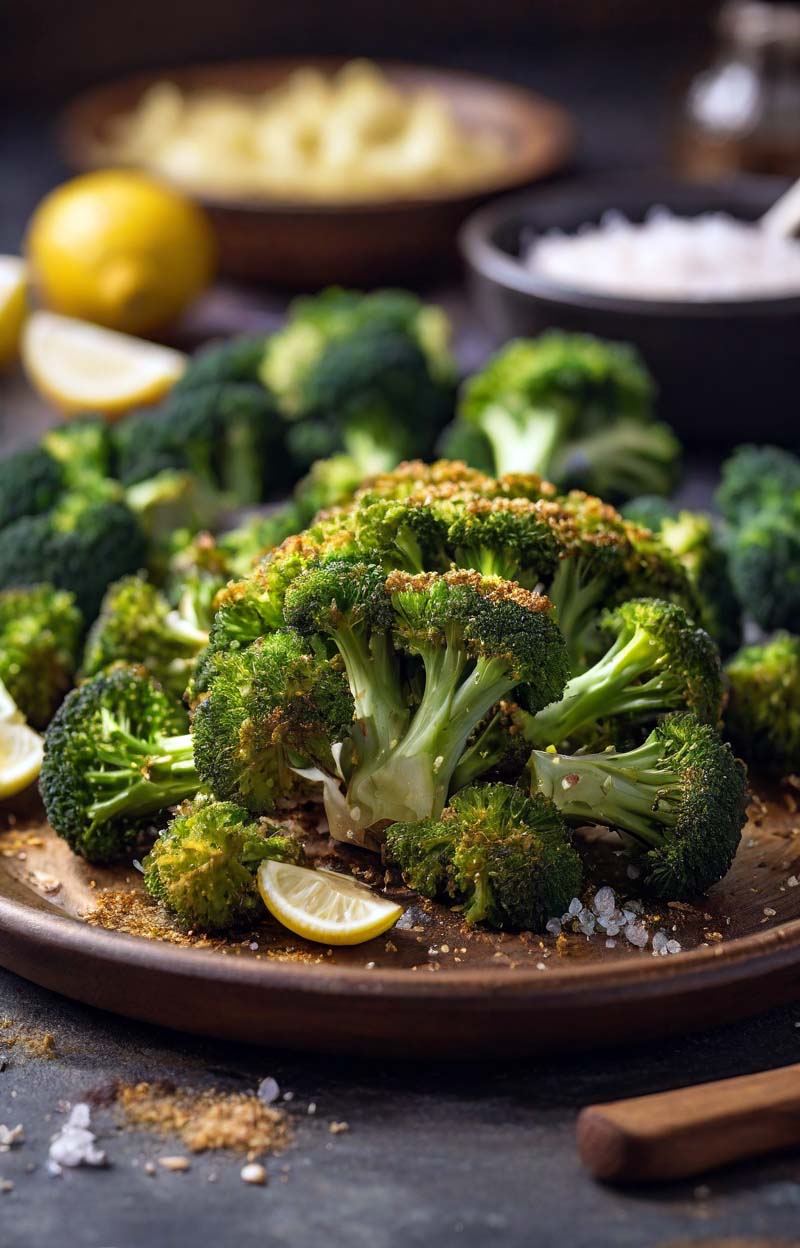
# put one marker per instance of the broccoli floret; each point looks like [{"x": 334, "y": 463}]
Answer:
[
  {"x": 203, "y": 865},
  {"x": 505, "y": 856},
  {"x": 40, "y": 633},
  {"x": 690, "y": 536},
  {"x": 31, "y": 482},
  {"x": 470, "y": 640},
  {"x": 764, "y": 557},
  {"x": 171, "y": 502},
  {"x": 136, "y": 625},
  {"x": 237, "y": 360},
  {"x": 622, "y": 459},
  {"x": 83, "y": 447},
  {"x": 256, "y": 538},
  {"x": 659, "y": 661},
  {"x": 328, "y": 483},
  {"x": 366, "y": 374},
  {"x": 414, "y": 479},
  {"x": 680, "y": 800},
  {"x": 763, "y": 713},
  {"x": 514, "y": 538},
  {"x": 271, "y": 708},
  {"x": 538, "y": 397},
  {"x": 755, "y": 478},
  {"x": 86, "y": 542},
  {"x": 116, "y": 756},
  {"x": 225, "y": 435}
]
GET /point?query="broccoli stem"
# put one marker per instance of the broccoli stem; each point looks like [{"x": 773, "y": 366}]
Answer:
[
  {"x": 371, "y": 667},
  {"x": 605, "y": 690},
  {"x": 487, "y": 750},
  {"x": 522, "y": 440},
  {"x": 146, "y": 780},
  {"x": 577, "y": 596},
  {"x": 628, "y": 791}
]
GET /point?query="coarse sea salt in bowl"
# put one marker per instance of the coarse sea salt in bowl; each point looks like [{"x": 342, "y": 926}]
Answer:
[{"x": 679, "y": 269}]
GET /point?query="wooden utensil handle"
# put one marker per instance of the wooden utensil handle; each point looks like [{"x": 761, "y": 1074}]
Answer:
[{"x": 671, "y": 1135}]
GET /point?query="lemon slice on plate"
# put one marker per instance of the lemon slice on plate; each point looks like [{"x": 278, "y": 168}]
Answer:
[
  {"x": 21, "y": 752},
  {"x": 13, "y": 305},
  {"x": 323, "y": 905},
  {"x": 84, "y": 368},
  {"x": 9, "y": 711}
]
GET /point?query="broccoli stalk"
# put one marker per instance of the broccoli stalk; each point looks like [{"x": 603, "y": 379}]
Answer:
[
  {"x": 504, "y": 856},
  {"x": 470, "y": 640},
  {"x": 679, "y": 800},
  {"x": 659, "y": 662},
  {"x": 203, "y": 865},
  {"x": 116, "y": 754}
]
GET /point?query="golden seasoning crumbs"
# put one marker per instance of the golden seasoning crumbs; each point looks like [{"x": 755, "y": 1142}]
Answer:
[
  {"x": 32, "y": 1041},
  {"x": 206, "y": 1119}
]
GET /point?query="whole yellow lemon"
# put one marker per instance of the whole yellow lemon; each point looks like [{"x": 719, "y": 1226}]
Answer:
[{"x": 120, "y": 249}]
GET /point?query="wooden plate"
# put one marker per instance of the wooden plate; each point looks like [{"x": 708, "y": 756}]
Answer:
[
  {"x": 303, "y": 244},
  {"x": 434, "y": 989}
]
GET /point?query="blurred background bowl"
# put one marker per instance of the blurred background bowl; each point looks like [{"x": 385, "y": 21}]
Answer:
[
  {"x": 303, "y": 244},
  {"x": 726, "y": 370}
]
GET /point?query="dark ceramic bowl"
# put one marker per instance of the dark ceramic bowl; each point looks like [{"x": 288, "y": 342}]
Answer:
[{"x": 726, "y": 371}]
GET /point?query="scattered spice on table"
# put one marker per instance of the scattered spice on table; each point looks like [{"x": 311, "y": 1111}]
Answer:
[{"x": 206, "y": 1118}]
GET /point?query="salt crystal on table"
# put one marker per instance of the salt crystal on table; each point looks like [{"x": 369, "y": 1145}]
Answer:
[
  {"x": 637, "y": 935},
  {"x": 674, "y": 946},
  {"x": 604, "y": 901},
  {"x": 575, "y": 907},
  {"x": 268, "y": 1090},
  {"x": 74, "y": 1144},
  {"x": 632, "y": 871},
  {"x": 553, "y": 926},
  {"x": 660, "y": 941}
]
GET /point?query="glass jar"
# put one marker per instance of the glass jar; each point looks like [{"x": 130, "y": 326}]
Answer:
[{"x": 743, "y": 111}]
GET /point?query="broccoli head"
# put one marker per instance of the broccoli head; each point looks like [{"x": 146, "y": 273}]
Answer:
[
  {"x": 40, "y": 634},
  {"x": 31, "y": 482},
  {"x": 764, "y": 560},
  {"x": 763, "y": 713},
  {"x": 137, "y": 625},
  {"x": 755, "y": 478},
  {"x": 203, "y": 865},
  {"x": 237, "y": 360},
  {"x": 504, "y": 855},
  {"x": 659, "y": 661},
  {"x": 680, "y": 801},
  {"x": 540, "y": 402},
  {"x": 117, "y": 755}
]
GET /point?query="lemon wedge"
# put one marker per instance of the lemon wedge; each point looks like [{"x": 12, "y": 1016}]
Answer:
[
  {"x": 82, "y": 367},
  {"x": 13, "y": 305},
  {"x": 9, "y": 711},
  {"x": 21, "y": 751},
  {"x": 323, "y": 905}
]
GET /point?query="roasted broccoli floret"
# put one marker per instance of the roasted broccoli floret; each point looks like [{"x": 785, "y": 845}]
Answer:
[
  {"x": 659, "y": 662},
  {"x": 764, "y": 557},
  {"x": 40, "y": 633},
  {"x": 574, "y": 409},
  {"x": 679, "y": 799},
  {"x": 226, "y": 435},
  {"x": 272, "y": 708},
  {"x": 469, "y": 640},
  {"x": 137, "y": 625},
  {"x": 116, "y": 756},
  {"x": 755, "y": 478},
  {"x": 203, "y": 865},
  {"x": 692, "y": 539},
  {"x": 505, "y": 856},
  {"x": 83, "y": 447},
  {"x": 237, "y": 360},
  {"x": 763, "y": 713},
  {"x": 328, "y": 483},
  {"x": 367, "y": 374},
  {"x": 86, "y": 542}
]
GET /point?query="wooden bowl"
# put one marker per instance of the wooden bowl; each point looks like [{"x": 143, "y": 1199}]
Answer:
[
  {"x": 727, "y": 370},
  {"x": 303, "y": 244}
]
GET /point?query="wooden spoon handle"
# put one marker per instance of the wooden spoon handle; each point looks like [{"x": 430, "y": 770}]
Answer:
[{"x": 674, "y": 1134}]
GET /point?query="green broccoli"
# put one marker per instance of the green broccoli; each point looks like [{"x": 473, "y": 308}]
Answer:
[
  {"x": 574, "y": 409},
  {"x": 692, "y": 539},
  {"x": 117, "y": 755},
  {"x": 764, "y": 560},
  {"x": 469, "y": 640},
  {"x": 32, "y": 480},
  {"x": 83, "y": 447},
  {"x": 40, "y": 633},
  {"x": 328, "y": 483},
  {"x": 679, "y": 800},
  {"x": 203, "y": 865},
  {"x": 87, "y": 541},
  {"x": 276, "y": 706},
  {"x": 659, "y": 661},
  {"x": 756, "y": 478},
  {"x": 763, "y": 713},
  {"x": 504, "y": 855},
  {"x": 370, "y": 375},
  {"x": 136, "y": 625},
  {"x": 237, "y": 360}
]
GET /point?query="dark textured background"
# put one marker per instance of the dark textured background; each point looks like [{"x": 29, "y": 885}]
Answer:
[{"x": 445, "y": 1155}]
